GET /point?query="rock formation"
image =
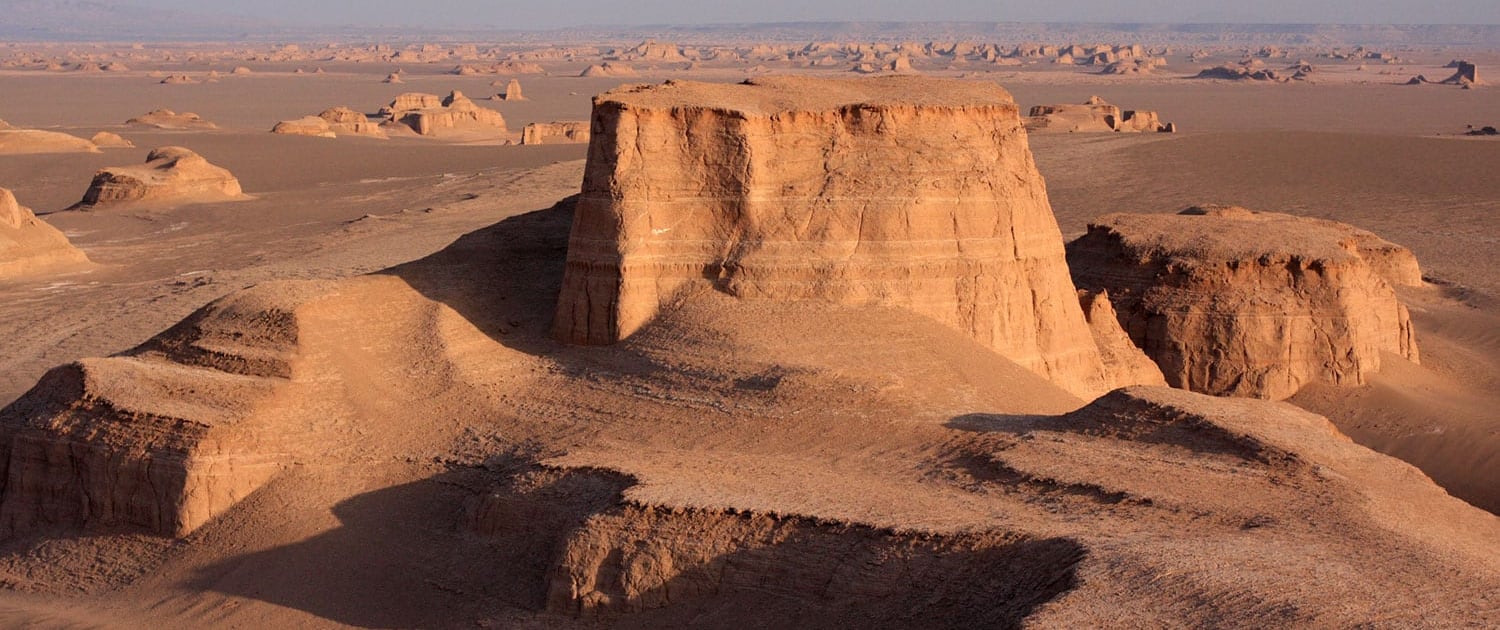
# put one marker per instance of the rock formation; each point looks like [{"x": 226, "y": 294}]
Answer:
[
  {"x": 556, "y": 132},
  {"x": 608, "y": 69},
  {"x": 25, "y": 141},
  {"x": 29, "y": 246},
  {"x": 429, "y": 115},
  {"x": 1240, "y": 73},
  {"x": 168, "y": 119},
  {"x": 170, "y": 174},
  {"x": 393, "y": 77},
  {"x": 899, "y": 191},
  {"x": 110, "y": 140},
  {"x": 331, "y": 123},
  {"x": 1233, "y": 302},
  {"x": 1095, "y": 115},
  {"x": 513, "y": 91},
  {"x": 178, "y": 79}
]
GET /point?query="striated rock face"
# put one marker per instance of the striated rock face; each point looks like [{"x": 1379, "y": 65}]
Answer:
[
  {"x": 29, "y": 246},
  {"x": 901, "y": 191},
  {"x": 1240, "y": 303},
  {"x": 556, "y": 132},
  {"x": 170, "y": 174},
  {"x": 1092, "y": 116},
  {"x": 429, "y": 115},
  {"x": 168, "y": 119}
]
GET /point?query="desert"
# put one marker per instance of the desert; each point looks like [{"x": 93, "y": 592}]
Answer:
[{"x": 803, "y": 323}]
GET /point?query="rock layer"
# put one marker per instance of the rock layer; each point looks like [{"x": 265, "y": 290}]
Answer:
[
  {"x": 28, "y": 245},
  {"x": 1240, "y": 303},
  {"x": 556, "y": 132},
  {"x": 170, "y": 174},
  {"x": 901, "y": 191}
]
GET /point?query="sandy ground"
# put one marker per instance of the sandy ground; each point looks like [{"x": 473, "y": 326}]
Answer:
[{"x": 1367, "y": 154}]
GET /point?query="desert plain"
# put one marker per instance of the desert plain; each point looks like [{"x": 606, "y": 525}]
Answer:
[{"x": 795, "y": 339}]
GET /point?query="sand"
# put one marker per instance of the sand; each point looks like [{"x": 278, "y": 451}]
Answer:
[{"x": 381, "y": 533}]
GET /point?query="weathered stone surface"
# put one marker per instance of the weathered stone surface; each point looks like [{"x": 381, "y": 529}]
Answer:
[
  {"x": 1233, "y": 302},
  {"x": 1092, "y": 116},
  {"x": 305, "y": 126},
  {"x": 170, "y": 174},
  {"x": 29, "y": 246},
  {"x": 429, "y": 115},
  {"x": 331, "y": 123},
  {"x": 900, "y": 191},
  {"x": 556, "y": 132}
]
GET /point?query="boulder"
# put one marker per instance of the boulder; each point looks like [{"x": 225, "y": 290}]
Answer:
[
  {"x": 573, "y": 131},
  {"x": 900, "y": 191},
  {"x": 170, "y": 175},
  {"x": 29, "y": 246},
  {"x": 1238, "y": 303}
]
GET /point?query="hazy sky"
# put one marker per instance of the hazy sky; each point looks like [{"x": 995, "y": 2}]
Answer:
[{"x": 533, "y": 14}]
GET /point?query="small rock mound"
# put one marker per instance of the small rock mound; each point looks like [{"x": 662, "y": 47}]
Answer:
[
  {"x": 170, "y": 174},
  {"x": 608, "y": 69},
  {"x": 331, "y": 123},
  {"x": 393, "y": 77},
  {"x": 168, "y": 119},
  {"x": 111, "y": 140},
  {"x": 29, "y": 246},
  {"x": 1233, "y": 302},
  {"x": 26, "y": 141},
  {"x": 1240, "y": 73}
]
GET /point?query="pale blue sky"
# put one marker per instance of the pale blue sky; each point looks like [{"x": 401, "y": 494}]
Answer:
[{"x": 535, "y": 14}]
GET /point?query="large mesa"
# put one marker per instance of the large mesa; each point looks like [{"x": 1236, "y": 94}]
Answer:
[
  {"x": 170, "y": 175},
  {"x": 29, "y": 246},
  {"x": 1233, "y": 302},
  {"x": 901, "y": 191}
]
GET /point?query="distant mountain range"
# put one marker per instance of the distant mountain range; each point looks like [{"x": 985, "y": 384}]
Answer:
[{"x": 90, "y": 20}]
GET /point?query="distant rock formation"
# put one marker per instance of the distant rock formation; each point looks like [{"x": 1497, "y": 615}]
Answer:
[
  {"x": 430, "y": 115},
  {"x": 1240, "y": 303},
  {"x": 513, "y": 91},
  {"x": 903, "y": 191},
  {"x": 1465, "y": 75},
  {"x": 1095, "y": 115},
  {"x": 608, "y": 69},
  {"x": 170, "y": 174},
  {"x": 393, "y": 77},
  {"x": 331, "y": 123},
  {"x": 29, "y": 246},
  {"x": 110, "y": 140},
  {"x": 1241, "y": 73},
  {"x": 168, "y": 119},
  {"x": 178, "y": 79},
  {"x": 556, "y": 132},
  {"x": 240, "y": 70},
  {"x": 25, "y": 141}
]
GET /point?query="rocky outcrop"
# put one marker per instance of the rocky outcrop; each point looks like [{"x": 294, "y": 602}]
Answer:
[
  {"x": 168, "y": 119},
  {"x": 29, "y": 246},
  {"x": 1250, "y": 72},
  {"x": 28, "y": 141},
  {"x": 1094, "y": 115},
  {"x": 331, "y": 123},
  {"x": 430, "y": 115},
  {"x": 567, "y": 132},
  {"x": 513, "y": 91},
  {"x": 1240, "y": 303},
  {"x": 608, "y": 69},
  {"x": 898, "y": 191},
  {"x": 170, "y": 175},
  {"x": 110, "y": 140}
]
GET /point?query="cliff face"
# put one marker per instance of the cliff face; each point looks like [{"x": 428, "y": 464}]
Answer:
[
  {"x": 30, "y": 246},
  {"x": 556, "y": 132},
  {"x": 901, "y": 191},
  {"x": 170, "y": 174},
  {"x": 1233, "y": 302}
]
